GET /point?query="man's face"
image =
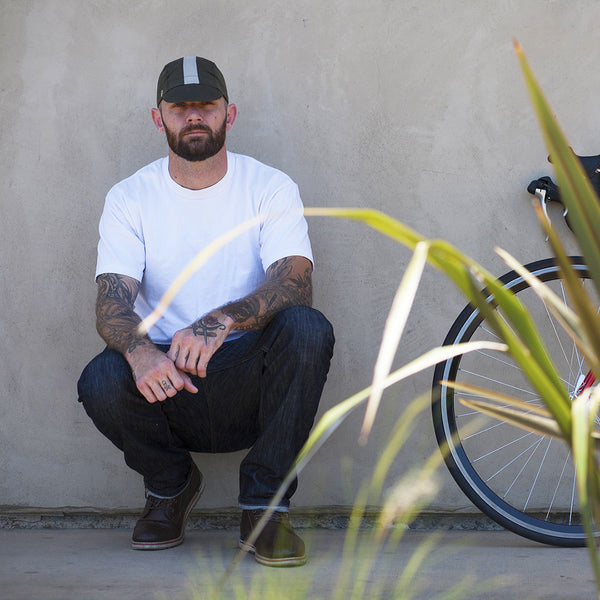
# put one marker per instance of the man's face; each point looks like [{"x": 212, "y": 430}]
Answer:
[{"x": 195, "y": 130}]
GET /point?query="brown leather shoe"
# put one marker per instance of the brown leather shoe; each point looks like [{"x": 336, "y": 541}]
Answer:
[
  {"x": 277, "y": 545},
  {"x": 162, "y": 525}
]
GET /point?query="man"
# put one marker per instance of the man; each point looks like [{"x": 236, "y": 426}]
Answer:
[{"x": 239, "y": 360}]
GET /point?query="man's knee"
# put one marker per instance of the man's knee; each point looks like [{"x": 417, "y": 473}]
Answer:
[
  {"x": 103, "y": 380},
  {"x": 308, "y": 329}
]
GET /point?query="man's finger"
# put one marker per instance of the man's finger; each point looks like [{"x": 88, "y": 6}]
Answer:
[
  {"x": 173, "y": 353},
  {"x": 187, "y": 384},
  {"x": 170, "y": 389},
  {"x": 189, "y": 365},
  {"x": 202, "y": 365},
  {"x": 147, "y": 392},
  {"x": 181, "y": 380},
  {"x": 157, "y": 389},
  {"x": 185, "y": 356}
]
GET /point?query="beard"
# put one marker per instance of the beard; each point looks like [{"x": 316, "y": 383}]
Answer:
[{"x": 199, "y": 148}]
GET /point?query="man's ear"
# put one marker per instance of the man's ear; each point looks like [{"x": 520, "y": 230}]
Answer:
[
  {"x": 231, "y": 115},
  {"x": 157, "y": 118}
]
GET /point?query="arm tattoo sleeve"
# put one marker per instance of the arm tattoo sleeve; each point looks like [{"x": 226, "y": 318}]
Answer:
[
  {"x": 285, "y": 286},
  {"x": 116, "y": 320}
]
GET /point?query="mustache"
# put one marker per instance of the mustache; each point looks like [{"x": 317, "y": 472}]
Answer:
[{"x": 191, "y": 128}]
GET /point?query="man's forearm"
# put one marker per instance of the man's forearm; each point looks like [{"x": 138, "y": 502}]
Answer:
[
  {"x": 154, "y": 373},
  {"x": 289, "y": 283},
  {"x": 116, "y": 321}
]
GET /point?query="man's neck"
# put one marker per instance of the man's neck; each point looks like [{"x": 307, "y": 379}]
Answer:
[{"x": 197, "y": 175}]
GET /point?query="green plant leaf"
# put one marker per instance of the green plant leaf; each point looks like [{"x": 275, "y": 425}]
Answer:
[
  {"x": 581, "y": 329},
  {"x": 586, "y": 309},
  {"x": 498, "y": 397},
  {"x": 524, "y": 420},
  {"x": 392, "y": 333},
  {"x": 515, "y": 403},
  {"x": 576, "y": 189},
  {"x": 515, "y": 327},
  {"x": 585, "y": 411}
]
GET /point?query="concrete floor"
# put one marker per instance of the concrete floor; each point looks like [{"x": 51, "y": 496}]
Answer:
[{"x": 94, "y": 564}]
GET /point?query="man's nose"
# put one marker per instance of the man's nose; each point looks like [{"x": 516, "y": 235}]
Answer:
[{"x": 194, "y": 114}]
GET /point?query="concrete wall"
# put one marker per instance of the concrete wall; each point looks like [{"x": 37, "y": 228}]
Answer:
[{"x": 415, "y": 108}]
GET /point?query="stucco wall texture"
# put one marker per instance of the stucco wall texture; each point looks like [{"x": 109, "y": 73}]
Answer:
[{"x": 416, "y": 108}]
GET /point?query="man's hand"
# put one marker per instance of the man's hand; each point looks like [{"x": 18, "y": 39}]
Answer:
[
  {"x": 192, "y": 348},
  {"x": 155, "y": 375}
]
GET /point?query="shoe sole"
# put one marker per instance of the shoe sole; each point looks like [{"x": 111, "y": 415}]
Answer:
[
  {"x": 179, "y": 540},
  {"x": 295, "y": 561}
]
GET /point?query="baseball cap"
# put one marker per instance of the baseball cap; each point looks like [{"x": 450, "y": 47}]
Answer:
[{"x": 190, "y": 78}]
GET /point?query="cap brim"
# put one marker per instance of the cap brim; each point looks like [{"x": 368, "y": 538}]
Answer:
[{"x": 192, "y": 92}]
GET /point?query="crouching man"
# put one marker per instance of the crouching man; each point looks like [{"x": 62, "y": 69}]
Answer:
[{"x": 240, "y": 358}]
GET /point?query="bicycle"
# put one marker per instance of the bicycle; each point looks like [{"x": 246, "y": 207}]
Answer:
[{"x": 523, "y": 481}]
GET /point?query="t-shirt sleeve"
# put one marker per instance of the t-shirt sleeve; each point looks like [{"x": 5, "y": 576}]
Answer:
[
  {"x": 284, "y": 231},
  {"x": 121, "y": 246}
]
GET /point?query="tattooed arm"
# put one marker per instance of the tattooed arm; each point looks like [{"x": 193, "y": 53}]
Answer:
[
  {"x": 116, "y": 321},
  {"x": 289, "y": 283},
  {"x": 155, "y": 375}
]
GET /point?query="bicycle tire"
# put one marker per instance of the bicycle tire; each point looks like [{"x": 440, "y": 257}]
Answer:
[{"x": 521, "y": 480}]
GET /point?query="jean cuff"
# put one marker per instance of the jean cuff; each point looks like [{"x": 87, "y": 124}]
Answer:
[
  {"x": 149, "y": 493},
  {"x": 263, "y": 507}
]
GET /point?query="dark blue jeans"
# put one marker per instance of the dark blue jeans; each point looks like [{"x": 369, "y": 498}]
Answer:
[{"x": 261, "y": 392}]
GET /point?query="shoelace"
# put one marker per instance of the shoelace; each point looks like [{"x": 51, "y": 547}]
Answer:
[
  {"x": 276, "y": 517},
  {"x": 167, "y": 505}
]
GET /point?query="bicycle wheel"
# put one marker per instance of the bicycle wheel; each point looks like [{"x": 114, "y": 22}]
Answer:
[{"x": 522, "y": 480}]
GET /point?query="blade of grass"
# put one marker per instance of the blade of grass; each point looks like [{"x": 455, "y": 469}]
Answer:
[
  {"x": 399, "y": 436},
  {"x": 528, "y": 421},
  {"x": 405, "y": 585},
  {"x": 576, "y": 189},
  {"x": 526, "y": 347},
  {"x": 521, "y": 336},
  {"x": 586, "y": 310},
  {"x": 582, "y": 330},
  {"x": 351, "y": 545},
  {"x": 585, "y": 409},
  {"x": 392, "y": 333},
  {"x": 498, "y": 397}
]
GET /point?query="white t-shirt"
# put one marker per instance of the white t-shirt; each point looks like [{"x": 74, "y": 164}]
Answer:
[{"x": 151, "y": 228}]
